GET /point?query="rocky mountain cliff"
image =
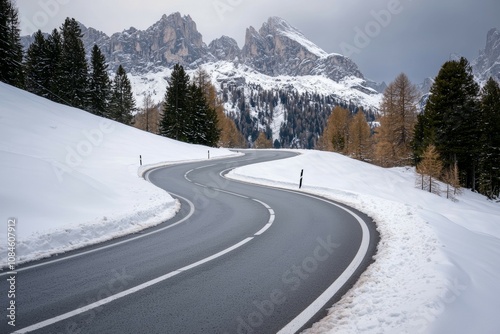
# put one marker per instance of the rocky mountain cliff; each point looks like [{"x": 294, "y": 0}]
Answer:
[
  {"x": 279, "y": 82},
  {"x": 277, "y": 49},
  {"x": 173, "y": 39},
  {"x": 280, "y": 49},
  {"x": 488, "y": 63}
]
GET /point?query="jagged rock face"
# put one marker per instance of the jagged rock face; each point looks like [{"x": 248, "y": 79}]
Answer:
[
  {"x": 92, "y": 36},
  {"x": 276, "y": 49},
  {"x": 280, "y": 49},
  {"x": 225, "y": 48},
  {"x": 488, "y": 63},
  {"x": 425, "y": 86},
  {"x": 172, "y": 40}
]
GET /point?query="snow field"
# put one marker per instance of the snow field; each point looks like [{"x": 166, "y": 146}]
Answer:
[{"x": 156, "y": 83}]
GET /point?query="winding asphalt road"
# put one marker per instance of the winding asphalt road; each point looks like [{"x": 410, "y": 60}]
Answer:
[{"x": 237, "y": 258}]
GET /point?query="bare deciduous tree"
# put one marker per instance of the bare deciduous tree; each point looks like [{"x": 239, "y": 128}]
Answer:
[
  {"x": 360, "y": 144},
  {"x": 430, "y": 170},
  {"x": 399, "y": 115}
]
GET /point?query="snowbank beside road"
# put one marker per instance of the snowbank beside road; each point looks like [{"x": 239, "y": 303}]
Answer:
[
  {"x": 70, "y": 179},
  {"x": 438, "y": 263}
]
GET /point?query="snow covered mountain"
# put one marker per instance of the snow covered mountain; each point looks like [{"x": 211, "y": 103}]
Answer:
[
  {"x": 280, "y": 49},
  {"x": 488, "y": 63},
  {"x": 278, "y": 61},
  {"x": 277, "y": 49},
  {"x": 173, "y": 39}
]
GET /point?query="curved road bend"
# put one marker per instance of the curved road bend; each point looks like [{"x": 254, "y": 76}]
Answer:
[{"x": 238, "y": 258}]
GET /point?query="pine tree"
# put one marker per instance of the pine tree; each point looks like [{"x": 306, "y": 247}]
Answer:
[
  {"x": 11, "y": 51},
  {"x": 451, "y": 120},
  {"x": 73, "y": 67},
  {"x": 211, "y": 125},
  {"x": 359, "y": 137},
  {"x": 122, "y": 103},
  {"x": 175, "y": 112},
  {"x": 202, "y": 122},
  {"x": 429, "y": 170},
  {"x": 489, "y": 160},
  {"x": 423, "y": 135},
  {"x": 196, "y": 110},
  {"x": 100, "y": 85},
  {"x": 395, "y": 134},
  {"x": 54, "y": 54},
  {"x": 38, "y": 74},
  {"x": 5, "y": 47}
]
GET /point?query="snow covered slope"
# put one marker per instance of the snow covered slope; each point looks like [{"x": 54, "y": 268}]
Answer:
[
  {"x": 71, "y": 178},
  {"x": 438, "y": 264},
  {"x": 242, "y": 88},
  {"x": 228, "y": 73}
]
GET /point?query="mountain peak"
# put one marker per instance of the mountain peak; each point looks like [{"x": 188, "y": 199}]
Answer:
[
  {"x": 488, "y": 63},
  {"x": 225, "y": 48},
  {"x": 492, "y": 40},
  {"x": 277, "y": 25},
  {"x": 175, "y": 16},
  {"x": 278, "y": 48}
]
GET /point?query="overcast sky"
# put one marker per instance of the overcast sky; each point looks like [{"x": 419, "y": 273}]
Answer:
[{"x": 384, "y": 37}]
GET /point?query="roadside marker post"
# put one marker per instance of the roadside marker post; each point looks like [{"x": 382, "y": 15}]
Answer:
[{"x": 301, "y": 177}]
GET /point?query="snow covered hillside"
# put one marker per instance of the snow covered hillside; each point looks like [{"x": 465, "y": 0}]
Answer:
[
  {"x": 225, "y": 73},
  {"x": 245, "y": 90},
  {"x": 71, "y": 178},
  {"x": 438, "y": 264}
]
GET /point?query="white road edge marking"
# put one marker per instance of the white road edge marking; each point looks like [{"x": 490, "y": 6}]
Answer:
[
  {"x": 272, "y": 216},
  {"x": 299, "y": 321},
  {"x": 191, "y": 212},
  {"x": 145, "y": 285},
  {"x": 186, "y": 175},
  {"x": 142, "y": 286},
  {"x": 231, "y": 193}
]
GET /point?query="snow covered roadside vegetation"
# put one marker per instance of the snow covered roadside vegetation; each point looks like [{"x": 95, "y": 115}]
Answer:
[
  {"x": 71, "y": 179},
  {"x": 438, "y": 263}
]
